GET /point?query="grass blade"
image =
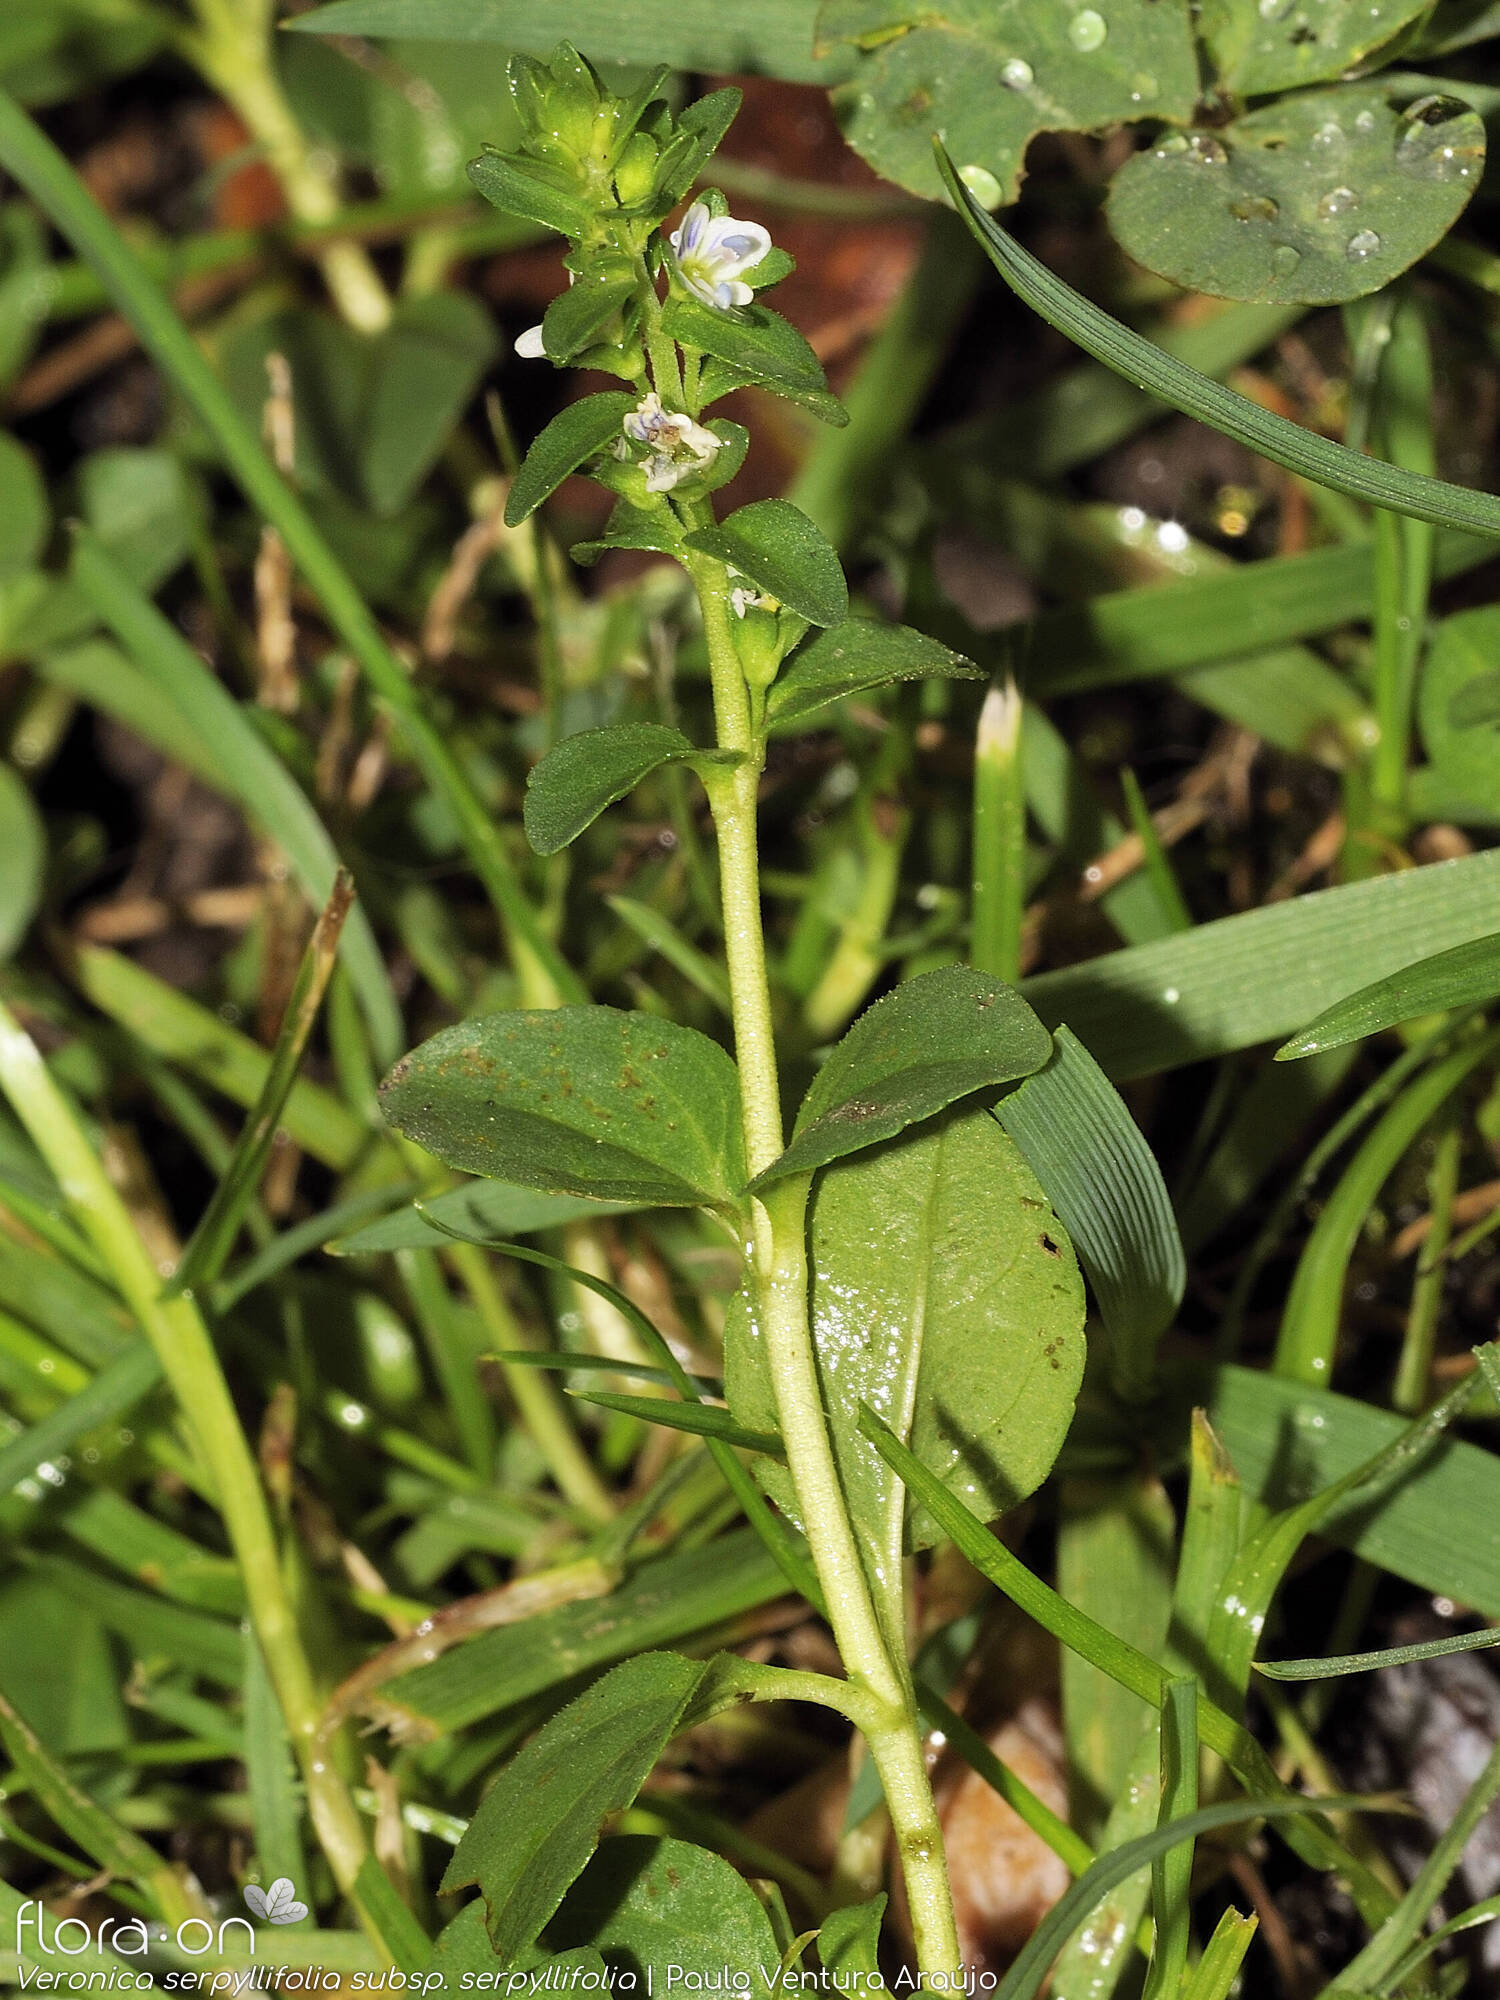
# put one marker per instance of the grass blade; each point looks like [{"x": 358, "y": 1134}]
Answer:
[
  {"x": 41, "y": 169},
  {"x": 254, "y": 774},
  {"x": 1215, "y": 1973},
  {"x": 1273, "y": 437},
  {"x": 213, "y": 1239},
  {"x": 1462, "y": 977},
  {"x": 1366, "y": 1663},
  {"x": 117, "y": 1388},
  {"x": 1172, "y": 1872},
  {"x": 701, "y": 1419}
]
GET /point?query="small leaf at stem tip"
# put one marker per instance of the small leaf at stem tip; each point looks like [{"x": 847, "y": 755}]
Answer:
[
  {"x": 584, "y": 774},
  {"x": 780, "y": 550},
  {"x": 1461, "y": 977},
  {"x": 1365, "y": 1663},
  {"x": 937, "y": 1038},
  {"x": 574, "y": 435}
]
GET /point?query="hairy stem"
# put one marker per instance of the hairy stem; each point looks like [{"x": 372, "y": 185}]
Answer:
[{"x": 779, "y": 1265}]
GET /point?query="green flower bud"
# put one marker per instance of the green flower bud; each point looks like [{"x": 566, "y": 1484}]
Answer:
[
  {"x": 757, "y": 639},
  {"x": 636, "y": 173}
]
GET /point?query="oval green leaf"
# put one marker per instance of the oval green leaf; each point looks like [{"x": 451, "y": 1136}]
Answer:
[
  {"x": 945, "y": 1294},
  {"x": 1467, "y": 974},
  {"x": 649, "y": 1904},
  {"x": 517, "y": 187},
  {"x": 758, "y": 346},
  {"x": 1455, "y": 685},
  {"x": 574, "y": 436},
  {"x": 1258, "y": 46},
  {"x": 938, "y": 1037},
  {"x": 990, "y": 74},
  {"x": 779, "y": 549},
  {"x": 539, "y": 1822},
  {"x": 586, "y": 1101},
  {"x": 855, "y": 657},
  {"x": 583, "y": 774},
  {"x": 1316, "y": 199},
  {"x": 576, "y": 317}
]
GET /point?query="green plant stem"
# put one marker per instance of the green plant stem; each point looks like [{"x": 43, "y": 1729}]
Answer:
[
  {"x": 778, "y": 1251},
  {"x": 232, "y": 49},
  {"x": 190, "y": 1363},
  {"x": 999, "y": 859},
  {"x": 1414, "y": 1369},
  {"x": 35, "y": 162}
]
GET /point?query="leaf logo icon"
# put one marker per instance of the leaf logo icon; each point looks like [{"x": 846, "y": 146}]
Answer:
[{"x": 278, "y": 1904}]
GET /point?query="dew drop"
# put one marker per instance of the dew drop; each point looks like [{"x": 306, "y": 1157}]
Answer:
[
  {"x": 1365, "y": 122},
  {"x": 1174, "y": 142},
  {"x": 1363, "y": 243},
  {"x": 1255, "y": 208},
  {"x": 1436, "y": 139},
  {"x": 1284, "y": 259},
  {"x": 1171, "y": 996},
  {"x": 1328, "y": 135},
  {"x": 1017, "y": 74},
  {"x": 1207, "y": 150},
  {"x": 1086, "y": 31},
  {"x": 982, "y": 184},
  {"x": 1337, "y": 201},
  {"x": 1274, "y": 10}
]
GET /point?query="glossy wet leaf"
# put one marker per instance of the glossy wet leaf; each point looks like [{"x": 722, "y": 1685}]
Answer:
[
  {"x": 1150, "y": 367},
  {"x": 1367, "y": 1663},
  {"x": 1467, "y": 974},
  {"x": 1460, "y": 732},
  {"x": 754, "y": 345},
  {"x": 990, "y": 74},
  {"x": 539, "y": 1822},
  {"x": 585, "y": 1101},
  {"x": 775, "y": 545},
  {"x": 945, "y": 1294},
  {"x": 647, "y": 1904},
  {"x": 1257, "y": 46},
  {"x": 575, "y": 435},
  {"x": 1089, "y": 1154},
  {"x": 849, "y": 1942},
  {"x": 937, "y": 1038},
  {"x": 1320, "y": 197},
  {"x": 583, "y": 774},
  {"x": 518, "y": 186},
  {"x": 855, "y": 657}
]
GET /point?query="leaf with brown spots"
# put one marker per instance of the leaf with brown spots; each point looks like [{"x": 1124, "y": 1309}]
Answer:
[
  {"x": 587, "y": 1101},
  {"x": 937, "y": 1038}
]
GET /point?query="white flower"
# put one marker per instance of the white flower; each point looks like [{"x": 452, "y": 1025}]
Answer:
[
  {"x": 530, "y": 347},
  {"x": 678, "y": 446},
  {"x": 745, "y": 598},
  {"x": 712, "y": 251}
]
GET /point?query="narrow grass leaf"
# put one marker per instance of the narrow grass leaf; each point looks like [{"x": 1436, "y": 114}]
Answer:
[
  {"x": 1260, "y": 430},
  {"x": 1088, "y": 1153},
  {"x": 480, "y": 1211},
  {"x": 1213, "y": 1977},
  {"x": 211, "y": 1242},
  {"x": 401, "y": 1937},
  {"x": 275, "y": 1799},
  {"x": 1467, "y": 975},
  {"x": 700, "y": 1419},
  {"x": 1254, "y": 978},
  {"x": 116, "y": 1390},
  {"x": 1172, "y": 1871},
  {"x": 662, "y": 935},
  {"x": 1366, "y": 1663}
]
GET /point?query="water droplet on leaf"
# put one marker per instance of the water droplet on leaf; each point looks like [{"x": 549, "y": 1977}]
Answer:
[
  {"x": 1017, "y": 74},
  {"x": 1328, "y": 135},
  {"x": 1337, "y": 201},
  {"x": 1174, "y": 142},
  {"x": 1363, "y": 243},
  {"x": 1284, "y": 259},
  {"x": 982, "y": 184},
  {"x": 1207, "y": 150},
  {"x": 1438, "y": 138},
  {"x": 1255, "y": 208},
  {"x": 1086, "y": 31}
]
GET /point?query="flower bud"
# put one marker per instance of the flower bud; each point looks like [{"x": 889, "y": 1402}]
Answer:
[{"x": 635, "y": 174}]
